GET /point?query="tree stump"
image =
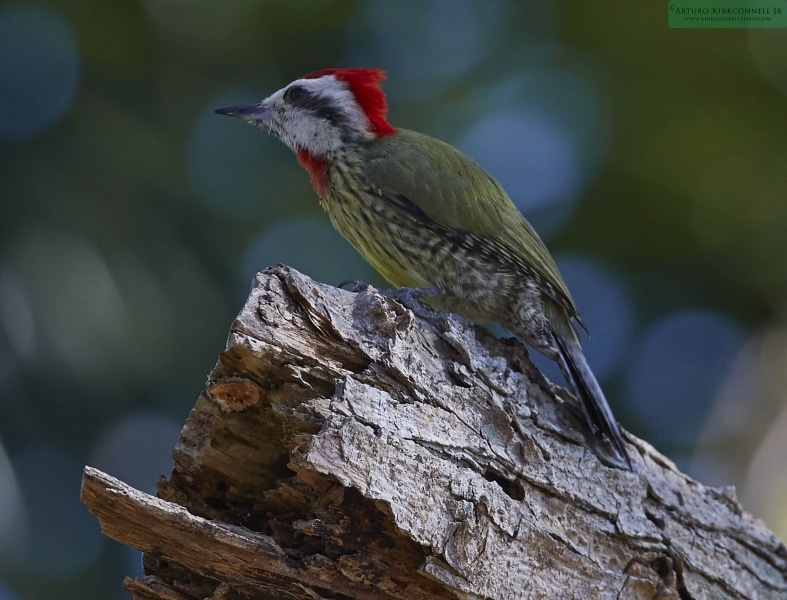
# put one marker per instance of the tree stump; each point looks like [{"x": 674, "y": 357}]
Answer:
[{"x": 345, "y": 448}]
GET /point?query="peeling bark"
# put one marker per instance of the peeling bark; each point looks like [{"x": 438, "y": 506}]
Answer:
[{"x": 344, "y": 448}]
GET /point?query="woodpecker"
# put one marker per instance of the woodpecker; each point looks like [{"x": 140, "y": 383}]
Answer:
[{"x": 430, "y": 219}]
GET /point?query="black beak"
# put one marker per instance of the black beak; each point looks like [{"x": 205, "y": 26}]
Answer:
[{"x": 247, "y": 112}]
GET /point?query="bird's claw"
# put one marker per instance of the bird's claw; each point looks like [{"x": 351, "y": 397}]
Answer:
[
  {"x": 411, "y": 298},
  {"x": 354, "y": 285},
  {"x": 406, "y": 296}
]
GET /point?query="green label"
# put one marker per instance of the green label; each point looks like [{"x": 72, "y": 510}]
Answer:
[{"x": 727, "y": 14}]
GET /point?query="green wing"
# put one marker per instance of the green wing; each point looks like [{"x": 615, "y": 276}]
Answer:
[{"x": 452, "y": 190}]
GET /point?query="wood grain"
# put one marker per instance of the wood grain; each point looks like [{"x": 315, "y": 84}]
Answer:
[{"x": 345, "y": 448}]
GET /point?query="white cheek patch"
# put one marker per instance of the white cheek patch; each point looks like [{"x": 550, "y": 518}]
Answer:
[{"x": 312, "y": 133}]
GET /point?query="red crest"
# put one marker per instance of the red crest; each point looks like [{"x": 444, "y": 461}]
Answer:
[{"x": 365, "y": 86}]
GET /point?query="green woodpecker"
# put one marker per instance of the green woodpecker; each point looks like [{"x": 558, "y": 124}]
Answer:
[{"x": 428, "y": 217}]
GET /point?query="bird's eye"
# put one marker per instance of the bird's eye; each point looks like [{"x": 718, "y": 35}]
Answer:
[{"x": 296, "y": 94}]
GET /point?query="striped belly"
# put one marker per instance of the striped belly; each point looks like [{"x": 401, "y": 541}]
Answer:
[
  {"x": 409, "y": 254},
  {"x": 382, "y": 237}
]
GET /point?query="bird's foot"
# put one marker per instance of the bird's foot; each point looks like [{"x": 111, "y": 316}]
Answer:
[
  {"x": 354, "y": 285},
  {"x": 406, "y": 296},
  {"x": 411, "y": 298}
]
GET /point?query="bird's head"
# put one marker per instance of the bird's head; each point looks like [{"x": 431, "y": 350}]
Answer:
[{"x": 322, "y": 112}]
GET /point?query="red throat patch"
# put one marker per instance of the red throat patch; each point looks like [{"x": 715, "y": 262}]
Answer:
[
  {"x": 318, "y": 171},
  {"x": 365, "y": 86}
]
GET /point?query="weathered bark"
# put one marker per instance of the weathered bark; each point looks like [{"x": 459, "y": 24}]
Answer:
[{"x": 345, "y": 448}]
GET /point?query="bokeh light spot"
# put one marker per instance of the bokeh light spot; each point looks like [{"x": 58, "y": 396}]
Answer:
[
  {"x": 676, "y": 370},
  {"x": 534, "y": 160},
  {"x": 39, "y": 69},
  {"x": 568, "y": 95},
  {"x": 82, "y": 320},
  {"x": 762, "y": 491},
  {"x": 310, "y": 245},
  {"x": 605, "y": 307},
  {"x": 403, "y": 43},
  {"x": 544, "y": 133},
  {"x": 5, "y": 593}
]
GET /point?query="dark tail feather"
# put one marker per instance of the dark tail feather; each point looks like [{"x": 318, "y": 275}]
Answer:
[{"x": 612, "y": 449}]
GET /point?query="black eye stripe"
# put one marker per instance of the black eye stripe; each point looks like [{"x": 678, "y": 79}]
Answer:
[
  {"x": 317, "y": 104},
  {"x": 300, "y": 96}
]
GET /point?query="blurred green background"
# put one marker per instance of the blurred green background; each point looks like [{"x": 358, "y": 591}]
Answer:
[{"x": 132, "y": 219}]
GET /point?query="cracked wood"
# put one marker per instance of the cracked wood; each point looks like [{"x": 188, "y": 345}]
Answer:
[{"x": 344, "y": 448}]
